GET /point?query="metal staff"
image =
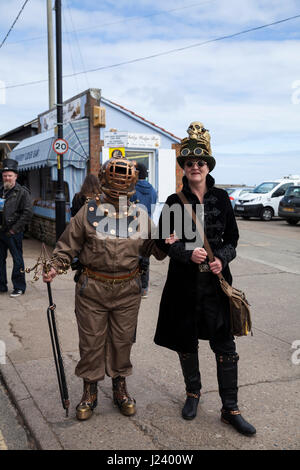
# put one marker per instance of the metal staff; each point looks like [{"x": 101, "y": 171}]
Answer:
[{"x": 61, "y": 377}]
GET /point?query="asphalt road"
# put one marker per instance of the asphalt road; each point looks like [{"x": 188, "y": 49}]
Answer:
[{"x": 274, "y": 243}]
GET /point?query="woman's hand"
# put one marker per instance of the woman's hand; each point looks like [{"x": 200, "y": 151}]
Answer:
[
  {"x": 172, "y": 239},
  {"x": 50, "y": 275},
  {"x": 199, "y": 255},
  {"x": 216, "y": 266}
]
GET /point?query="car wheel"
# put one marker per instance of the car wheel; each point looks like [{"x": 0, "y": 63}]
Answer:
[
  {"x": 292, "y": 221},
  {"x": 267, "y": 214}
]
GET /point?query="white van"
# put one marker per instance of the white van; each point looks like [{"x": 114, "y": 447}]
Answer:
[{"x": 264, "y": 200}]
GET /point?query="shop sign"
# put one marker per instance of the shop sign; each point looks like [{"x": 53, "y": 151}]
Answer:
[
  {"x": 131, "y": 140},
  {"x": 71, "y": 111},
  {"x": 117, "y": 152}
]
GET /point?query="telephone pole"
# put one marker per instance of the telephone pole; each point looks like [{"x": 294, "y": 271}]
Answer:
[
  {"x": 50, "y": 55},
  {"x": 60, "y": 200}
]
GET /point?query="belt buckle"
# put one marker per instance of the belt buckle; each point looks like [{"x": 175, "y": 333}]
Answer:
[{"x": 204, "y": 268}]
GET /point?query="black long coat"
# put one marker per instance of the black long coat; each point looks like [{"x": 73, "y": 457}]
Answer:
[{"x": 181, "y": 319}]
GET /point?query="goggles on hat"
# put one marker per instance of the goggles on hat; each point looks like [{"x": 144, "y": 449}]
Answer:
[
  {"x": 200, "y": 163},
  {"x": 186, "y": 151}
]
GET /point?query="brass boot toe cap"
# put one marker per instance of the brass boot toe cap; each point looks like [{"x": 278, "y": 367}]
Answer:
[
  {"x": 127, "y": 408},
  {"x": 84, "y": 411}
]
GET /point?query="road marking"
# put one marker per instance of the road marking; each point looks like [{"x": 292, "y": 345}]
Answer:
[
  {"x": 3, "y": 445},
  {"x": 255, "y": 244},
  {"x": 273, "y": 265}
]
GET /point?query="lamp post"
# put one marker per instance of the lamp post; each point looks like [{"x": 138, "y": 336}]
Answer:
[{"x": 60, "y": 200}]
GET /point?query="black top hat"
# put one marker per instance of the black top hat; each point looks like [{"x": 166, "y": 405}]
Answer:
[
  {"x": 10, "y": 165},
  {"x": 193, "y": 148}
]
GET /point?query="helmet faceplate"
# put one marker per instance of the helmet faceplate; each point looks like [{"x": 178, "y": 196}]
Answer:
[{"x": 118, "y": 177}]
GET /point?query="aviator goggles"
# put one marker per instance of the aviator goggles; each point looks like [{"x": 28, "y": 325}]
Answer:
[{"x": 197, "y": 152}]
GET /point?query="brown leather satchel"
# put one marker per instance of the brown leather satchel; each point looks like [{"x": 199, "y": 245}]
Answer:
[{"x": 240, "y": 316}]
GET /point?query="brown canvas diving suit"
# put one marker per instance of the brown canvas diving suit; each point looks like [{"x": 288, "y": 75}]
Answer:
[{"x": 108, "y": 292}]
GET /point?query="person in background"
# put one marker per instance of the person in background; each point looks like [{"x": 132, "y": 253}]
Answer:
[
  {"x": 145, "y": 194},
  {"x": 15, "y": 214},
  {"x": 89, "y": 189}
]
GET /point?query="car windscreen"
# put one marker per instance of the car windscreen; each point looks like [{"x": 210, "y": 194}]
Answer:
[
  {"x": 293, "y": 191},
  {"x": 230, "y": 190},
  {"x": 264, "y": 188}
]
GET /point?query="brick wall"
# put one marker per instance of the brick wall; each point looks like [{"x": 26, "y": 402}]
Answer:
[
  {"x": 95, "y": 146},
  {"x": 179, "y": 171},
  {"x": 43, "y": 229}
]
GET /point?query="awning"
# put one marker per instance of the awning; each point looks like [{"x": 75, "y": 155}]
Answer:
[{"x": 37, "y": 151}]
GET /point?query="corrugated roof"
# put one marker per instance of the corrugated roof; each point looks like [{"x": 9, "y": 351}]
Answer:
[{"x": 141, "y": 118}]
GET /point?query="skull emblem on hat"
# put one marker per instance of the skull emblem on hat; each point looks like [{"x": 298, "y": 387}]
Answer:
[{"x": 195, "y": 130}]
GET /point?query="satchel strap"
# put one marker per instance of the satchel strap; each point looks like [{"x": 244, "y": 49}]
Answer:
[{"x": 188, "y": 207}]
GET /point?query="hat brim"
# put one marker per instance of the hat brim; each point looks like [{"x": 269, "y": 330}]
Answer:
[
  {"x": 211, "y": 162},
  {"x": 9, "y": 169}
]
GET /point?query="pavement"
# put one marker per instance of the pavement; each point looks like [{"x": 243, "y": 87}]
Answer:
[{"x": 269, "y": 370}]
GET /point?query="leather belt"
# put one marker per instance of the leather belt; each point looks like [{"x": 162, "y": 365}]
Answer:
[{"x": 111, "y": 279}]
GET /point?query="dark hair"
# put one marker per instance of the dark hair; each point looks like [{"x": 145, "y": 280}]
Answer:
[
  {"x": 143, "y": 172},
  {"x": 90, "y": 186}
]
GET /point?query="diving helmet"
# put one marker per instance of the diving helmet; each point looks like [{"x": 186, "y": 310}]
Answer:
[{"x": 118, "y": 177}]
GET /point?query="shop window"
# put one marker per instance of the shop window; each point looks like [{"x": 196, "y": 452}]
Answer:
[
  {"x": 48, "y": 187},
  {"x": 147, "y": 159}
]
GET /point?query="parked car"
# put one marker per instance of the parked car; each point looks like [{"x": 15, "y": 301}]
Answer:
[
  {"x": 264, "y": 200},
  {"x": 289, "y": 206},
  {"x": 235, "y": 193}
]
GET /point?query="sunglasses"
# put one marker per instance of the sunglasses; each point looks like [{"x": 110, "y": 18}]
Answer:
[
  {"x": 197, "y": 152},
  {"x": 200, "y": 163}
]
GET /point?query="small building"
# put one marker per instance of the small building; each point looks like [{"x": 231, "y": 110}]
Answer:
[{"x": 93, "y": 126}]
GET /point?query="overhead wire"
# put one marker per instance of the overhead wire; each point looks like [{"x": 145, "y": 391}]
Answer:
[
  {"x": 159, "y": 54},
  {"x": 16, "y": 19},
  {"x": 78, "y": 43},
  {"x": 125, "y": 20},
  {"x": 70, "y": 49}
]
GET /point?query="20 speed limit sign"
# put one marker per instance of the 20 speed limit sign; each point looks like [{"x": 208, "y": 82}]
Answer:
[{"x": 60, "y": 146}]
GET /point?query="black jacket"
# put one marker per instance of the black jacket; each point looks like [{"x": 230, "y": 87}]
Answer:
[
  {"x": 177, "y": 323},
  {"x": 17, "y": 211}
]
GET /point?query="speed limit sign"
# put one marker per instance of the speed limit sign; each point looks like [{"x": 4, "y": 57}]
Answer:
[{"x": 60, "y": 146}]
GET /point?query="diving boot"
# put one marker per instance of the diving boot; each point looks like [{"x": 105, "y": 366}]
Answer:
[
  {"x": 227, "y": 373},
  {"x": 190, "y": 369},
  {"x": 125, "y": 403},
  {"x": 85, "y": 408}
]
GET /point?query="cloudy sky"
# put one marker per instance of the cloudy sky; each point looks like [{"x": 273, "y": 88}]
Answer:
[{"x": 246, "y": 90}]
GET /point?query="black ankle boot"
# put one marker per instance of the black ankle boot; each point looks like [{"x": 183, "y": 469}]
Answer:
[
  {"x": 190, "y": 369},
  {"x": 228, "y": 390},
  {"x": 235, "y": 418},
  {"x": 189, "y": 411}
]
